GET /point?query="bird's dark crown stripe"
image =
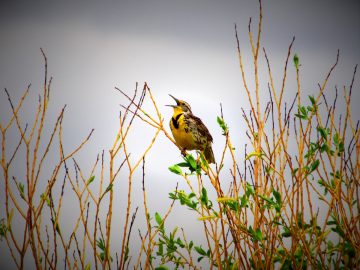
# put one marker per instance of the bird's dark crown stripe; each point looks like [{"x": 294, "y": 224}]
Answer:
[{"x": 175, "y": 120}]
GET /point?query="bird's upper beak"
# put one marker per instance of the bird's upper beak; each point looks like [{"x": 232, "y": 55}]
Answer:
[{"x": 176, "y": 100}]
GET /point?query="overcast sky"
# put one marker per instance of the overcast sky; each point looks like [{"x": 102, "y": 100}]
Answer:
[{"x": 184, "y": 48}]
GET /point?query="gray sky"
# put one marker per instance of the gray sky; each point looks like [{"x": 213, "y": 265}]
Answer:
[{"x": 186, "y": 48}]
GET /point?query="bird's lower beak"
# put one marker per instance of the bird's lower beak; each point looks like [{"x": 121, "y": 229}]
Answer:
[
  {"x": 177, "y": 101},
  {"x": 171, "y": 106}
]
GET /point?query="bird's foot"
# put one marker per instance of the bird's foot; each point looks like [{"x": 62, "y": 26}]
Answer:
[{"x": 183, "y": 152}]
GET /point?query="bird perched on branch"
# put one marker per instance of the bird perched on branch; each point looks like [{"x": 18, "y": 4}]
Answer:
[{"x": 189, "y": 131}]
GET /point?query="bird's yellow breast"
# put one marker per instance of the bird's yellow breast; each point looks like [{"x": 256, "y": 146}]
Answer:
[{"x": 181, "y": 132}]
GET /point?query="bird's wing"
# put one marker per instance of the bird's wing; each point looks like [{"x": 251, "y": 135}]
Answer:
[{"x": 196, "y": 123}]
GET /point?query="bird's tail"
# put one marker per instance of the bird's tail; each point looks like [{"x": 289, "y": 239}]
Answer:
[{"x": 209, "y": 155}]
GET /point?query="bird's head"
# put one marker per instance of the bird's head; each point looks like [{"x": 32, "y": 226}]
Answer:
[{"x": 181, "y": 106}]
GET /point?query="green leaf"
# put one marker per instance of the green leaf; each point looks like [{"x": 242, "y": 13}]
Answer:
[
  {"x": 10, "y": 217},
  {"x": 299, "y": 253},
  {"x": 204, "y": 162},
  {"x": 222, "y": 124},
  {"x": 302, "y": 113},
  {"x": 161, "y": 267},
  {"x": 101, "y": 244},
  {"x": 180, "y": 243},
  {"x": 258, "y": 234},
  {"x": 183, "y": 164},
  {"x": 21, "y": 187},
  {"x": 269, "y": 170},
  {"x": 90, "y": 180},
  {"x": 286, "y": 233},
  {"x": 281, "y": 251},
  {"x": 301, "y": 116},
  {"x": 296, "y": 61},
  {"x": 204, "y": 197},
  {"x": 46, "y": 199},
  {"x": 160, "y": 252},
  {"x": 332, "y": 182},
  {"x": 158, "y": 218},
  {"x": 102, "y": 256},
  {"x": 349, "y": 249},
  {"x": 310, "y": 109},
  {"x": 266, "y": 199},
  {"x": 109, "y": 187},
  {"x": 249, "y": 190},
  {"x": 322, "y": 132},
  {"x": 22, "y": 190},
  {"x": 312, "y": 99},
  {"x": 303, "y": 110},
  {"x": 57, "y": 228},
  {"x": 175, "y": 169},
  {"x": 325, "y": 148},
  {"x": 200, "y": 250},
  {"x": 314, "y": 165},
  {"x": 172, "y": 196},
  {"x": 3, "y": 229},
  {"x": 234, "y": 206},
  {"x": 186, "y": 199},
  {"x": 341, "y": 148},
  {"x": 178, "y": 240},
  {"x": 254, "y": 154},
  {"x": 191, "y": 161},
  {"x": 88, "y": 266},
  {"x": 277, "y": 196},
  {"x": 126, "y": 252}
]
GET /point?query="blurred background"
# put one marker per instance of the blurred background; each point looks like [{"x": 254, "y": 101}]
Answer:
[{"x": 184, "y": 48}]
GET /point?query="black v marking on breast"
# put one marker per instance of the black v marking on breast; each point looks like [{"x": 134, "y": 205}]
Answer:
[{"x": 175, "y": 121}]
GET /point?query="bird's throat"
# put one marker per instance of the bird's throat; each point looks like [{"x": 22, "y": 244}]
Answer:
[{"x": 175, "y": 120}]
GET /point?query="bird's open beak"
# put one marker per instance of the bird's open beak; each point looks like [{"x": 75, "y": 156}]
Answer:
[{"x": 177, "y": 101}]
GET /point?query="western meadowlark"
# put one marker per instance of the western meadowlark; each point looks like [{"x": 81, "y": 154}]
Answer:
[{"x": 189, "y": 131}]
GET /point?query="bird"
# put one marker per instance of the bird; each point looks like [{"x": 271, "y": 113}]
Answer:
[{"x": 189, "y": 132}]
